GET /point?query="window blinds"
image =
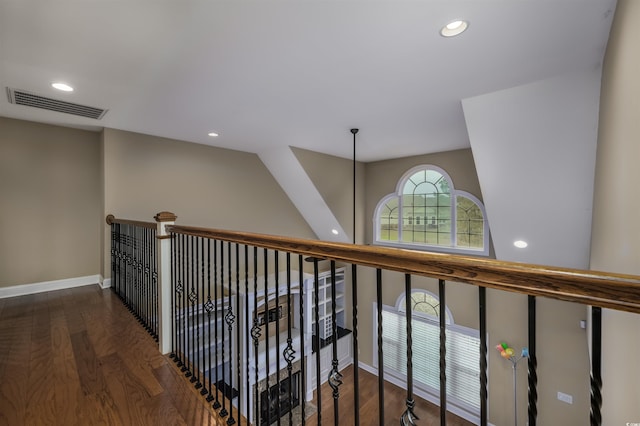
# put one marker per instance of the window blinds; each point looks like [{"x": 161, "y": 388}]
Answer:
[{"x": 462, "y": 357}]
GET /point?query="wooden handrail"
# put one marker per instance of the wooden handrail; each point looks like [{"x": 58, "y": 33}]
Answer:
[
  {"x": 607, "y": 290},
  {"x": 112, "y": 219}
]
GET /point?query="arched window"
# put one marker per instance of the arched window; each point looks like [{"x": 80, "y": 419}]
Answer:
[
  {"x": 462, "y": 354},
  {"x": 423, "y": 303},
  {"x": 426, "y": 212}
]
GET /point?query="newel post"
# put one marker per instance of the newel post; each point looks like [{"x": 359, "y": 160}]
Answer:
[{"x": 164, "y": 280}]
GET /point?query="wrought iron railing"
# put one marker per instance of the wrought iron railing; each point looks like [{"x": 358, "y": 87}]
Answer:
[
  {"x": 241, "y": 308},
  {"x": 134, "y": 274}
]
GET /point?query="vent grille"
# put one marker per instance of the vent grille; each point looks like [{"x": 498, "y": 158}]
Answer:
[{"x": 21, "y": 97}]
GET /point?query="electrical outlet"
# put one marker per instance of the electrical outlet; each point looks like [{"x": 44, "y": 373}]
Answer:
[{"x": 565, "y": 398}]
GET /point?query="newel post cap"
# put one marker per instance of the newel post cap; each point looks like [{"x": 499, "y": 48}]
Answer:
[{"x": 165, "y": 217}]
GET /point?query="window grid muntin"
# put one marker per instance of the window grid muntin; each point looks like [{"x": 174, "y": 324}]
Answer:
[
  {"x": 481, "y": 238},
  {"x": 420, "y": 208}
]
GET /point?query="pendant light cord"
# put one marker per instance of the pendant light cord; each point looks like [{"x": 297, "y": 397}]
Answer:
[{"x": 354, "y": 131}]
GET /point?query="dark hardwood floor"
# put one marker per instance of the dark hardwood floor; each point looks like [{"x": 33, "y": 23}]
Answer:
[
  {"x": 78, "y": 357},
  {"x": 394, "y": 404}
]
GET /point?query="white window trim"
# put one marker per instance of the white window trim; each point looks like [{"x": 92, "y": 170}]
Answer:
[
  {"x": 402, "y": 307},
  {"x": 428, "y": 247}
]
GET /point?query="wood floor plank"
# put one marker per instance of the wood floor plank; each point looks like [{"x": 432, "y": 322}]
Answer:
[
  {"x": 89, "y": 369},
  {"x": 127, "y": 391},
  {"x": 40, "y": 402},
  {"x": 14, "y": 380},
  {"x": 78, "y": 357},
  {"x": 67, "y": 391}
]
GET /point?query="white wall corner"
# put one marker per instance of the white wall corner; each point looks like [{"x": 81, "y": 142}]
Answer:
[
  {"x": 105, "y": 282},
  {"x": 25, "y": 289},
  {"x": 535, "y": 147},
  {"x": 294, "y": 181}
]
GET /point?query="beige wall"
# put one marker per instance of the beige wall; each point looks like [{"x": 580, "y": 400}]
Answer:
[
  {"x": 204, "y": 186},
  {"x": 615, "y": 244},
  {"x": 562, "y": 352},
  {"x": 333, "y": 178},
  {"x": 50, "y": 191}
]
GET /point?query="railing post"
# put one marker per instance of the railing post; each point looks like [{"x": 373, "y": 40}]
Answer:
[{"x": 164, "y": 280}]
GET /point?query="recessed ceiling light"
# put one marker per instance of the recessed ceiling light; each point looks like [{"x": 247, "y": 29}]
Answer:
[
  {"x": 520, "y": 244},
  {"x": 454, "y": 28},
  {"x": 62, "y": 86},
  {"x": 213, "y": 134},
  {"x": 334, "y": 232}
]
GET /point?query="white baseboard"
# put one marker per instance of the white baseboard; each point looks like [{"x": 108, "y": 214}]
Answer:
[
  {"x": 106, "y": 283},
  {"x": 21, "y": 290}
]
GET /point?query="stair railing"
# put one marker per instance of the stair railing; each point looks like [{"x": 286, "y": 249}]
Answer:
[{"x": 235, "y": 305}]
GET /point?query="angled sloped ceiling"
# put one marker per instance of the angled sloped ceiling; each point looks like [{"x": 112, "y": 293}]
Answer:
[
  {"x": 534, "y": 147},
  {"x": 294, "y": 180}
]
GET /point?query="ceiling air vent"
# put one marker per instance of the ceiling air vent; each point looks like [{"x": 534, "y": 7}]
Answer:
[{"x": 21, "y": 97}]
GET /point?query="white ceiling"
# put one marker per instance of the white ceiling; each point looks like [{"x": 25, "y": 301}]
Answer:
[
  {"x": 299, "y": 73},
  {"x": 270, "y": 74}
]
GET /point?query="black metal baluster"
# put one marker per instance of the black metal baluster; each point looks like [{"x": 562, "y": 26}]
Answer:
[
  {"x": 112, "y": 230},
  {"x": 131, "y": 290},
  {"x": 119, "y": 261},
  {"x": 153, "y": 270},
  {"x": 209, "y": 308},
  {"x": 335, "y": 378},
  {"x": 154, "y": 281},
  {"x": 354, "y": 322},
  {"x": 316, "y": 338},
  {"x": 482, "y": 302},
  {"x": 195, "y": 361},
  {"x": 255, "y": 334},
  {"x": 223, "y": 384},
  {"x": 146, "y": 281},
  {"x": 216, "y": 404},
  {"x": 146, "y": 272},
  {"x": 408, "y": 417},
  {"x": 137, "y": 273},
  {"x": 199, "y": 315},
  {"x": 238, "y": 337},
  {"x": 114, "y": 257},
  {"x": 122, "y": 261},
  {"x": 125, "y": 261},
  {"x": 246, "y": 329},
  {"x": 277, "y": 270},
  {"x": 154, "y": 274},
  {"x": 380, "y": 355},
  {"x": 178, "y": 302},
  {"x": 143, "y": 295},
  {"x": 595, "y": 416},
  {"x": 134, "y": 274},
  {"x": 289, "y": 352},
  {"x": 266, "y": 322},
  {"x": 532, "y": 363},
  {"x": 174, "y": 283},
  {"x": 443, "y": 353},
  {"x": 184, "y": 298},
  {"x": 303, "y": 374},
  {"x": 189, "y": 311},
  {"x": 230, "y": 318}
]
